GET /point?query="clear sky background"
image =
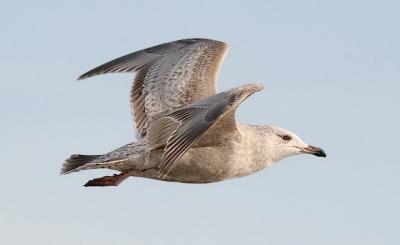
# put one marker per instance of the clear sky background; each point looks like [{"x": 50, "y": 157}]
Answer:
[{"x": 332, "y": 75}]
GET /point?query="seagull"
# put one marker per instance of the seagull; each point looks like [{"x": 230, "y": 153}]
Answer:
[{"x": 186, "y": 131}]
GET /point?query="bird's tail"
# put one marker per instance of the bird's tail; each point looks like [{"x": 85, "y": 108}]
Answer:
[{"x": 75, "y": 161}]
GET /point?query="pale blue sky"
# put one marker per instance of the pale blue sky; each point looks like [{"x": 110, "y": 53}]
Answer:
[{"x": 332, "y": 75}]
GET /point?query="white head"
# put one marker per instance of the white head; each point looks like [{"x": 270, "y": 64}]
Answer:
[{"x": 281, "y": 143}]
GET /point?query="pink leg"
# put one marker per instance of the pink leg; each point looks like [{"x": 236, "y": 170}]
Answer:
[{"x": 114, "y": 180}]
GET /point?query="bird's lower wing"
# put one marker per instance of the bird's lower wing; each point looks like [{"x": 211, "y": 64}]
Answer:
[{"x": 177, "y": 131}]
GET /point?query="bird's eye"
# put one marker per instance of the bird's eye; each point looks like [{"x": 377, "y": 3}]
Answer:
[{"x": 286, "y": 137}]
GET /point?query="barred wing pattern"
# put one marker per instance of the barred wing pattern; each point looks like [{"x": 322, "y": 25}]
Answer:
[
  {"x": 180, "y": 129},
  {"x": 169, "y": 76}
]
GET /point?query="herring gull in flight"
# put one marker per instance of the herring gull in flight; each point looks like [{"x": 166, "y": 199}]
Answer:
[{"x": 186, "y": 131}]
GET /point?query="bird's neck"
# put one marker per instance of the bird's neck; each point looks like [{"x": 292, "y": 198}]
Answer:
[{"x": 254, "y": 155}]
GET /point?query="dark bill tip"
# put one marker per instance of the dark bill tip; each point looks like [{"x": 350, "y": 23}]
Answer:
[{"x": 316, "y": 151}]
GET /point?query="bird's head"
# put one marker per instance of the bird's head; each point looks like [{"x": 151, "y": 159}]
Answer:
[{"x": 282, "y": 143}]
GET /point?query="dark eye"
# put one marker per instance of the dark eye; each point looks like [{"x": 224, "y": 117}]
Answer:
[{"x": 286, "y": 137}]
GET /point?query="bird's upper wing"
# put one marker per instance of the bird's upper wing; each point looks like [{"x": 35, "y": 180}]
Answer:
[
  {"x": 168, "y": 76},
  {"x": 178, "y": 130}
]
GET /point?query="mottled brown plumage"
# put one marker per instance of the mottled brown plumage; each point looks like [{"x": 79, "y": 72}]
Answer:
[{"x": 187, "y": 132}]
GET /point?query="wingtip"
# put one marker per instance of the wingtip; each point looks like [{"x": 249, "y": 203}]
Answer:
[
  {"x": 88, "y": 74},
  {"x": 81, "y": 77}
]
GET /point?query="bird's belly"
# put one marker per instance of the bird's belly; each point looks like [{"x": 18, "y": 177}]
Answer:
[
  {"x": 202, "y": 165},
  {"x": 209, "y": 164}
]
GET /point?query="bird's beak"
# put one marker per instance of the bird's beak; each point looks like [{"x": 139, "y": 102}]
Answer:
[{"x": 314, "y": 150}]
